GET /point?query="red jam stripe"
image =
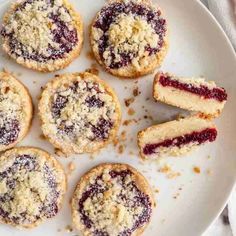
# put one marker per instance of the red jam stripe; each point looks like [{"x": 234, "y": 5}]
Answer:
[
  {"x": 203, "y": 91},
  {"x": 203, "y": 136}
]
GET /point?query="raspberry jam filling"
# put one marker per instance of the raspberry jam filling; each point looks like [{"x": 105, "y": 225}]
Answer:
[
  {"x": 64, "y": 36},
  {"x": 103, "y": 126},
  {"x": 139, "y": 199},
  {"x": 206, "y": 135},
  {"x": 23, "y": 165},
  {"x": 203, "y": 91},
  {"x": 9, "y": 131},
  {"x": 109, "y": 15}
]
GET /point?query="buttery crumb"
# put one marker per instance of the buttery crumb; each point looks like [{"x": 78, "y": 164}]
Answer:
[
  {"x": 128, "y": 101},
  {"x": 115, "y": 141},
  {"x": 156, "y": 190},
  {"x": 90, "y": 55},
  {"x": 147, "y": 99},
  {"x": 131, "y": 111},
  {"x": 180, "y": 116},
  {"x": 196, "y": 170},
  {"x": 123, "y": 135},
  {"x": 170, "y": 174},
  {"x": 59, "y": 153},
  {"x": 93, "y": 70},
  {"x": 136, "y": 91},
  {"x": 69, "y": 229},
  {"x": 71, "y": 167},
  {"x": 128, "y": 122},
  {"x": 42, "y": 137},
  {"x": 120, "y": 149},
  {"x": 155, "y": 204},
  {"x": 34, "y": 82}
]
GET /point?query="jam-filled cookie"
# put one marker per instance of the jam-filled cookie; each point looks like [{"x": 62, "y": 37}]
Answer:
[
  {"x": 79, "y": 112},
  {"x": 177, "y": 137},
  {"x": 32, "y": 187},
  {"x": 194, "y": 94},
  {"x": 112, "y": 200},
  {"x": 129, "y": 38},
  {"x": 15, "y": 111},
  {"x": 44, "y": 35}
]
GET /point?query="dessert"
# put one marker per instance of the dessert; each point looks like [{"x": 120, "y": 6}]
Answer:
[
  {"x": 112, "y": 200},
  {"x": 79, "y": 113},
  {"x": 176, "y": 137},
  {"x": 32, "y": 186},
  {"x": 44, "y": 35},
  {"x": 194, "y": 94},
  {"x": 129, "y": 38},
  {"x": 16, "y": 111}
]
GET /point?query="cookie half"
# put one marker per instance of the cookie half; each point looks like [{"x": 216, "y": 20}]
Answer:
[
  {"x": 80, "y": 113},
  {"x": 44, "y": 35},
  {"x": 32, "y": 186},
  {"x": 16, "y": 111},
  {"x": 176, "y": 137},
  {"x": 194, "y": 94},
  {"x": 112, "y": 200},
  {"x": 129, "y": 38}
]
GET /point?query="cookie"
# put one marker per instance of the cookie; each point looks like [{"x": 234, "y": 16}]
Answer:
[
  {"x": 44, "y": 35},
  {"x": 112, "y": 200},
  {"x": 16, "y": 111},
  {"x": 80, "y": 113},
  {"x": 175, "y": 138},
  {"x": 129, "y": 38},
  {"x": 32, "y": 186},
  {"x": 194, "y": 94}
]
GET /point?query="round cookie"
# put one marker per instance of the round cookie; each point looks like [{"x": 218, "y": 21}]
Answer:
[
  {"x": 32, "y": 187},
  {"x": 129, "y": 38},
  {"x": 44, "y": 35},
  {"x": 16, "y": 111},
  {"x": 112, "y": 200},
  {"x": 80, "y": 113}
]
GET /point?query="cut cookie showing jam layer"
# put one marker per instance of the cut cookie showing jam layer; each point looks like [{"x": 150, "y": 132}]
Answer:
[
  {"x": 112, "y": 200},
  {"x": 15, "y": 111},
  {"x": 79, "y": 113},
  {"x": 176, "y": 137},
  {"x": 44, "y": 35},
  {"x": 129, "y": 38},
  {"x": 32, "y": 186},
  {"x": 194, "y": 94}
]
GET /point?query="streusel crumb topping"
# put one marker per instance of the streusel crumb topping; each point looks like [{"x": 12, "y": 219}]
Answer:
[
  {"x": 112, "y": 204},
  {"x": 29, "y": 188},
  {"x": 40, "y": 30}
]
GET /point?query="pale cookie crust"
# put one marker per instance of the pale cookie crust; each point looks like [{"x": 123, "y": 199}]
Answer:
[
  {"x": 16, "y": 110},
  {"x": 211, "y": 107},
  {"x": 41, "y": 36},
  {"x": 173, "y": 130},
  {"x": 32, "y": 187},
  {"x": 135, "y": 43},
  {"x": 79, "y": 113},
  {"x": 96, "y": 201}
]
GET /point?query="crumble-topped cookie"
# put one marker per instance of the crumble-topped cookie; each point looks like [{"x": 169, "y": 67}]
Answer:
[
  {"x": 32, "y": 186},
  {"x": 129, "y": 37},
  {"x": 112, "y": 200},
  {"x": 44, "y": 35},
  {"x": 79, "y": 113},
  {"x": 16, "y": 111},
  {"x": 175, "y": 138},
  {"x": 194, "y": 94}
]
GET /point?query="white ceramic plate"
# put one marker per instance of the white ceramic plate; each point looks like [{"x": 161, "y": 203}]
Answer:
[{"x": 197, "y": 47}]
